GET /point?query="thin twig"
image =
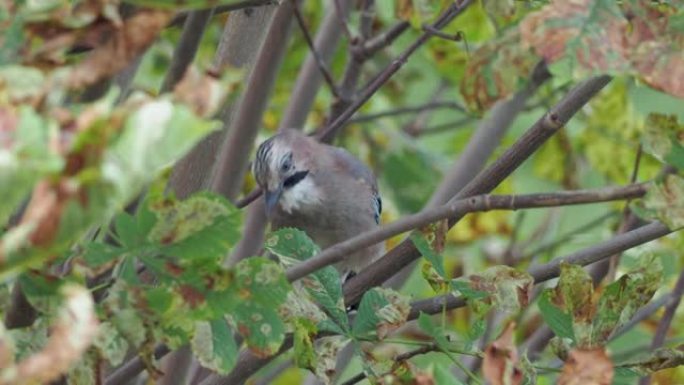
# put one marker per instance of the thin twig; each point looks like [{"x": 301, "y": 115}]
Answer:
[
  {"x": 408, "y": 110},
  {"x": 312, "y": 48},
  {"x": 180, "y": 17},
  {"x": 328, "y": 132},
  {"x": 382, "y": 40}
]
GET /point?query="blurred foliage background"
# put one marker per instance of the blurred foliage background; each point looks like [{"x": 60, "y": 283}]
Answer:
[{"x": 157, "y": 276}]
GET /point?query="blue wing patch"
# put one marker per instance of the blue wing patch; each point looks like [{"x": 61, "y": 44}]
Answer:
[{"x": 377, "y": 206}]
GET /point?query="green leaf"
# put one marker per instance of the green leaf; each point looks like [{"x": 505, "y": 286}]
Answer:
[
  {"x": 304, "y": 354},
  {"x": 201, "y": 228},
  {"x": 98, "y": 254},
  {"x": 26, "y": 157},
  {"x": 465, "y": 288},
  {"x": 324, "y": 285},
  {"x": 111, "y": 345},
  {"x": 261, "y": 326},
  {"x": 154, "y": 135},
  {"x": 436, "y": 332},
  {"x": 261, "y": 288},
  {"x": 436, "y": 260},
  {"x": 291, "y": 245},
  {"x": 662, "y": 139},
  {"x": 127, "y": 230},
  {"x": 622, "y": 298},
  {"x": 575, "y": 291},
  {"x": 411, "y": 178},
  {"x": 214, "y": 346},
  {"x": 664, "y": 201},
  {"x": 366, "y": 318},
  {"x": 443, "y": 376},
  {"x": 559, "y": 321}
]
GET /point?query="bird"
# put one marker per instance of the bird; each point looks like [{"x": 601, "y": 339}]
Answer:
[{"x": 320, "y": 189}]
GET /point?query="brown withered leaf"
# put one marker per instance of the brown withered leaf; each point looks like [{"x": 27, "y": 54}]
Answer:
[
  {"x": 135, "y": 35},
  {"x": 500, "y": 364},
  {"x": 587, "y": 367}
]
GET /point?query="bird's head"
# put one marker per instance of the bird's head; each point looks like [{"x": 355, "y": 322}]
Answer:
[{"x": 282, "y": 170}]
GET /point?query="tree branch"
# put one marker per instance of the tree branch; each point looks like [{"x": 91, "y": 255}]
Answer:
[
  {"x": 328, "y": 132},
  {"x": 459, "y": 208},
  {"x": 382, "y": 40},
  {"x": 407, "y": 110},
  {"x": 243, "y": 33},
  {"x": 322, "y": 67},
  {"x": 543, "y": 129},
  {"x": 233, "y": 157},
  {"x": 184, "y": 54},
  {"x": 181, "y": 17},
  {"x": 309, "y": 78}
]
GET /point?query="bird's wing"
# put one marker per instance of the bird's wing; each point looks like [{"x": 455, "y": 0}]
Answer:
[{"x": 359, "y": 171}]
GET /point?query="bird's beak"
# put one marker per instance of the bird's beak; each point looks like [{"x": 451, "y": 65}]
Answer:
[{"x": 271, "y": 199}]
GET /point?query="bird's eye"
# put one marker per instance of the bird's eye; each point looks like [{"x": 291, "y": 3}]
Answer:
[{"x": 286, "y": 165}]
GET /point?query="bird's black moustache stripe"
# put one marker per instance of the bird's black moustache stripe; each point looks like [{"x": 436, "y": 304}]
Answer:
[{"x": 295, "y": 178}]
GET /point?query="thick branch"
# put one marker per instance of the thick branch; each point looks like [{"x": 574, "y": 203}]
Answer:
[
  {"x": 243, "y": 34},
  {"x": 542, "y": 130},
  {"x": 185, "y": 51},
  {"x": 459, "y": 208},
  {"x": 234, "y": 155}
]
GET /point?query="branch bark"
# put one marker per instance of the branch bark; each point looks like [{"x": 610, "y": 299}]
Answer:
[
  {"x": 184, "y": 54},
  {"x": 244, "y": 31}
]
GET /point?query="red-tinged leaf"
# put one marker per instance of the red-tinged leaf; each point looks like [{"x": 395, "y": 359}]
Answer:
[
  {"x": 500, "y": 365},
  {"x": 599, "y": 36},
  {"x": 496, "y": 70},
  {"x": 587, "y": 367},
  {"x": 509, "y": 289}
]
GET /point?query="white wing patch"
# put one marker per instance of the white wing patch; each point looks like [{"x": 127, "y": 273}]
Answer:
[{"x": 302, "y": 194}]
